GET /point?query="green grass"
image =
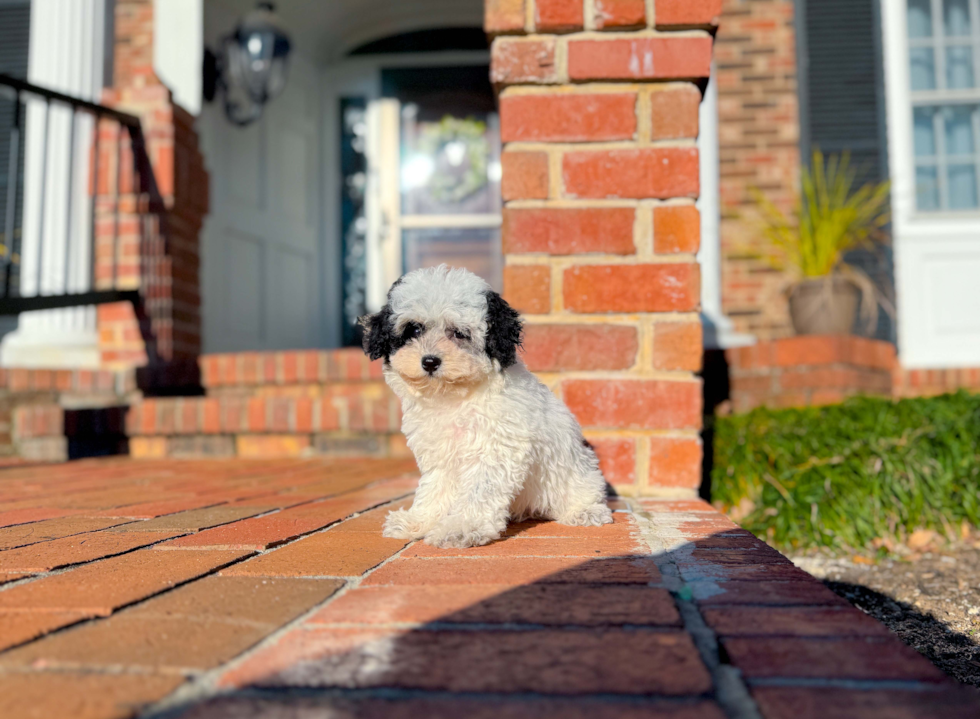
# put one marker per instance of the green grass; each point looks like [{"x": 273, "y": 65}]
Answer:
[{"x": 839, "y": 477}]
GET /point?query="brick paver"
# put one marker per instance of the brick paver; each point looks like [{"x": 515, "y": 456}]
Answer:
[{"x": 163, "y": 588}]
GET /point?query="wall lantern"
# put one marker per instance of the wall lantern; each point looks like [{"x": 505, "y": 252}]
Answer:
[{"x": 250, "y": 66}]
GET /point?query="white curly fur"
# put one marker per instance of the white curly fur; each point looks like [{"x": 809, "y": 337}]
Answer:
[{"x": 493, "y": 444}]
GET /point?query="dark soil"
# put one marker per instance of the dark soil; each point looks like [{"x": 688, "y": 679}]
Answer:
[{"x": 930, "y": 600}]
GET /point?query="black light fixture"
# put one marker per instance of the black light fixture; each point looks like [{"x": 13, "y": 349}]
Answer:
[{"x": 250, "y": 67}]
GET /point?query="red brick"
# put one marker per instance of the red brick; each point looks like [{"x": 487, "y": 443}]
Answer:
[
  {"x": 639, "y": 58},
  {"x": 687, "y": 12},
  {"x": 502, "y": 16},
  {"x": 565, "y": 117},
  {"x": 81, "y": 695},
  {"x": 100, "y": 587},
  {"x": 771, "y": 593},
  {"x": 632, "y": 288},
  {"x": 63, "y": 552},
  {"x": 675, "y": 462},
  {"x": 678, "y": 346},
  {"x": 634, "y": 404},
  {"x": 528, "y": 288},
  {"x": 613, "y": 544},
  {"x": 549, "y": 604},
  {"x": 674, "y": 113},
  {"x": 946, "y": 701},
  {"x": 525, "y": 175},
  {"x": 855, "y": 659},
  {"x": 617, "y": 459},
  {"x": 19, "y": 627},
  {"x": 508, "y": 571},
  {"x": 567, "y": 231},
  {"x": 661, "y": 172},
  {"x": 558, "y": 15},
  {"x": 271, "y": 446},
  {"x": 586, "y": 661},
  {"x": 793, "y": 622},
  {"x": 809, "y": 350},
  {"x": 522, "y": 60},
  {"x": 676, "y": 229},
  {"x": 557, "y": 348},
  {"x": 619, "y": 13}
]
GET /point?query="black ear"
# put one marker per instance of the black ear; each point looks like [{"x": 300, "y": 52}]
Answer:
[
  {"x": 377, "y": 334},
  {"x": 504, "y": 328}
]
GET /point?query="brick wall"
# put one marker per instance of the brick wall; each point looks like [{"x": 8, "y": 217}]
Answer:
[
  {"x": 599, "y": 120},
  {"x": 759, "y": 128},
  {"x": 155, "y": 249}
]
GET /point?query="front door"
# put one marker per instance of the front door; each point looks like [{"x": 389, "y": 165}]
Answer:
[
  {"x": 433, "y": 180},
  {"x": 260, "y": 279}
]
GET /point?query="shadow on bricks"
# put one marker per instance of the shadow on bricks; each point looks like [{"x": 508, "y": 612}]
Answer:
[{"x": 716, "y": 625}]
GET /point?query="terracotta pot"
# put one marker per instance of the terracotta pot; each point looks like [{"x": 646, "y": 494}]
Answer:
[{"x": 824, "y": 306}]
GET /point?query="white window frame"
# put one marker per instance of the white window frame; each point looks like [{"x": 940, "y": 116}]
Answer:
[
  {"x": 922, "y": 240},
  {"x": 942, "y": 96}
]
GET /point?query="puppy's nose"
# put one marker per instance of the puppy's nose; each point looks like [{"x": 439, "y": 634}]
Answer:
[{"x": 430, "y": 363}]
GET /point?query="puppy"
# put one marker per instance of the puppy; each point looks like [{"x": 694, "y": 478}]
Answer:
[{"x": 493, "y": 443}]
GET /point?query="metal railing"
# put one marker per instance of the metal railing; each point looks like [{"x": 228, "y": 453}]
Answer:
[{"x": 119, "y": 266}]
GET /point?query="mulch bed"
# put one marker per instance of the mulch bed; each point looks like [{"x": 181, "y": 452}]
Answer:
[{"x": 931, "y": 600}]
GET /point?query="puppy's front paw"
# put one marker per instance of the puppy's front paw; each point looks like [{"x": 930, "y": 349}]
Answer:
[
  {"x": 402, "y": 524},
  {"x": 460, "y": 536},
  {"x": 594, "y": 516}
]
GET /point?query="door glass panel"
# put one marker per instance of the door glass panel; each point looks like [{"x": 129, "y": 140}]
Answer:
[
  {"x": 925, "y": 132},
  {"x": 959, "y": 131},
  {"x": 962, "y": 187},
  {"x": 959, "y": 68},
  {"x": 920, "y": 18},
  {"x": 449, "y": 164},
  {"x": 475, "y": 248},
  {"x": 926, "y": 189},
  {"x": 956, "y": 17},
  {"x": 923, "y": 68}
]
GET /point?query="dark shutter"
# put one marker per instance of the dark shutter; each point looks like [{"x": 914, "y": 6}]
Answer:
[
  {"x": 841, "y": 83},
  {"x": 15, "y": 22},
  {"x": 842, "y": 106}
]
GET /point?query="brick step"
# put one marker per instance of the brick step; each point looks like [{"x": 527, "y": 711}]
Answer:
[
  {"x": 346, "y": 419},
  {"x": 299, "y": 367}
]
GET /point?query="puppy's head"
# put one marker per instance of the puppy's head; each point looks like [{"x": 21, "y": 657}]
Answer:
[{"x": 443, "y": 329}]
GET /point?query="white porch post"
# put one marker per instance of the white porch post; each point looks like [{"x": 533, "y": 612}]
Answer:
[
  {"x": 67, "y": 54},
  {"x": 719, "y": 333}
]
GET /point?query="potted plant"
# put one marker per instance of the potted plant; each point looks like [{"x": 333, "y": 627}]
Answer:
[{"x": 830, "y": 219}]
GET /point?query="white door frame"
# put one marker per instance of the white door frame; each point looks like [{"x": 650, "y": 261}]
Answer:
[{"x": 938, "y": 312}]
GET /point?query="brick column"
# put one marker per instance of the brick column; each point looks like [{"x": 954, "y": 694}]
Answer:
[
  {"x": 599, "y": 117},
  {"x": 169, "y": 282}
]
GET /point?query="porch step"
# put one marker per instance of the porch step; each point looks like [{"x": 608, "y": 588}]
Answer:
[{"x": 246, "y": 372}]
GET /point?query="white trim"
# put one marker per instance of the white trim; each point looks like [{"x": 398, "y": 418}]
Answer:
[
  {"x": 922, "y": 241},
  {"x": 425, "y": 221},
  {"x": 719, "y": 332},
  {"x": 178, "y": 49}
]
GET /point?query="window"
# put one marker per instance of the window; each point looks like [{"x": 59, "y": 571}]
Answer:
[{"x": 944, "y": 51}]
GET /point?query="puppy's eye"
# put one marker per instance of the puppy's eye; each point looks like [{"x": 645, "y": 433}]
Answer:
[
  {"x": 412, "y": 330},
  {"x": 460, "y": 335}
]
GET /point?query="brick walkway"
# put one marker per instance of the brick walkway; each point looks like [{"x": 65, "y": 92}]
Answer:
[{"x": 264, "y": 588}]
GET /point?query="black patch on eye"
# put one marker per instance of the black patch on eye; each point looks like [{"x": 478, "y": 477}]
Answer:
[
  {"x": 412, "y": 331},
  {"x": 379, "y": 333},
  {"x": 504, "y": 330}
]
